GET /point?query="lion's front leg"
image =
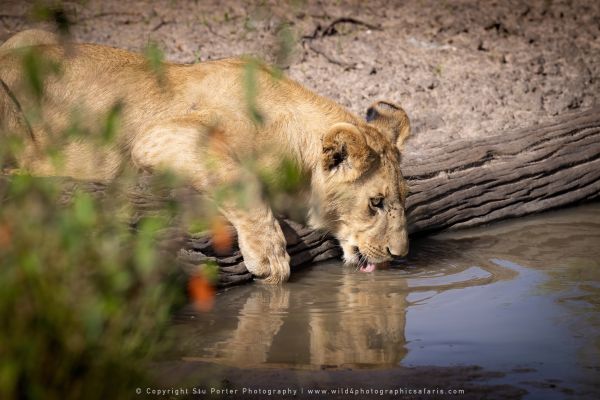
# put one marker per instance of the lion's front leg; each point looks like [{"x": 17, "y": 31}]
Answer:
[
  {"x": 176, "y": 144},
  {"x": 261, "y": 242}
]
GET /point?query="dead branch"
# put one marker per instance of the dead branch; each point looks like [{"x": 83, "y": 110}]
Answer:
[
  {"x": 346, "y": 66},
  {"x": 161, "y": 24},
  {"x": 330, "y": 30},
  {"x": 110, "y": 14}
]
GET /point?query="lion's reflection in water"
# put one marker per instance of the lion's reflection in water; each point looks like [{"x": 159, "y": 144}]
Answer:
[
  {"x": 369, "y": 330},
  {"x": 329, "y": 317}
]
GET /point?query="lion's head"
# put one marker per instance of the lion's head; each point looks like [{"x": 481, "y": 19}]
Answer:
[{"x": 359, "y": 192}]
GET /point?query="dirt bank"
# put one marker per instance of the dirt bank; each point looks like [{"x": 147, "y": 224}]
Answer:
[{"x": 460, "y": 68}]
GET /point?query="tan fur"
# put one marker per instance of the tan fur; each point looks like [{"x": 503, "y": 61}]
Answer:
[{"x": 189, "y": 118}]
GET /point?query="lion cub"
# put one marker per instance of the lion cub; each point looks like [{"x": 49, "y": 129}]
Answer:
[{"x": 357, "y": 191}]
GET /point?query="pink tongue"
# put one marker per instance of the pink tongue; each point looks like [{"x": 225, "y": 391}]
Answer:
[{"x": 370, "y": 267}]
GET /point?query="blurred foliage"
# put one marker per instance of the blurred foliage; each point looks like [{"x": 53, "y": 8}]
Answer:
[
  {"x": 282, "y": 187},
  {"x": 36, "y": 69},
  {"x": 286, "y": 179},
  {"x": 84, "y": 299},
  {"x": 85, "y": 296},
  {"x": 251, "y": 68},
  {"x": 112, "y": 123},
  {"x": 155, "y": 58},
  {"x": 53, "y": 12},
  {"x": 285, "y": 45}
]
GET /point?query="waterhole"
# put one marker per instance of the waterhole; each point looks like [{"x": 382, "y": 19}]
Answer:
[{"x": 520, "y": 297}]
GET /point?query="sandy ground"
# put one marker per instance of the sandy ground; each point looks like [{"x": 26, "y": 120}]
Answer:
[{"x": 460, "y": 68}]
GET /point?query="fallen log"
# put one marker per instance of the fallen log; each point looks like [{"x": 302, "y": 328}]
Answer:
[
  {"x": 452, "y": 185},
  {"x": 468, "y": 183},
  {"x": 304, "y": 245}
]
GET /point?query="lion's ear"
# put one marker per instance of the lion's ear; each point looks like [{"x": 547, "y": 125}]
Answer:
[
  {"x": 345, "y": 152},
  {"x": 391, "y": 119}
]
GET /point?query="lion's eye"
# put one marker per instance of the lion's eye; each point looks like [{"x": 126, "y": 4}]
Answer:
[{"x": 376, "y": 202}]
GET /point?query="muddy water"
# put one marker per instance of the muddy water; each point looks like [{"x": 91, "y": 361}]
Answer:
[{"x": 521, "y": 298}]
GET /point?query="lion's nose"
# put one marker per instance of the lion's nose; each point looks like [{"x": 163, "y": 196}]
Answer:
[
  {"x": 398, "y": 253},
  {"x": 399, "y": 249}
]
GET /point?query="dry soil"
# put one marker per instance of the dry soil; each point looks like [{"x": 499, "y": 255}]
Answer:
[{"x": 460, "y": 68}]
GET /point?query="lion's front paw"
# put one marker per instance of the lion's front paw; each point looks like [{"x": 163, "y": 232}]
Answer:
[
  {"x": 262, "y": 244},
  {"x": 270, "y": 263},
  {"x": 279, "y": 270}
]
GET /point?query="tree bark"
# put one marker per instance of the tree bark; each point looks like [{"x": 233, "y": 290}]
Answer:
[
  {"x": 452, "y": 185},
  {"x": 469, "y": 183}
]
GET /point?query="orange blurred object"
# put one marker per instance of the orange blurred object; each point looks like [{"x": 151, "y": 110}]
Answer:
[
  {"x": 201, "y": 292},
  {"x": 5, "y": 236},
  {"x": 222, "y": 235}
]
